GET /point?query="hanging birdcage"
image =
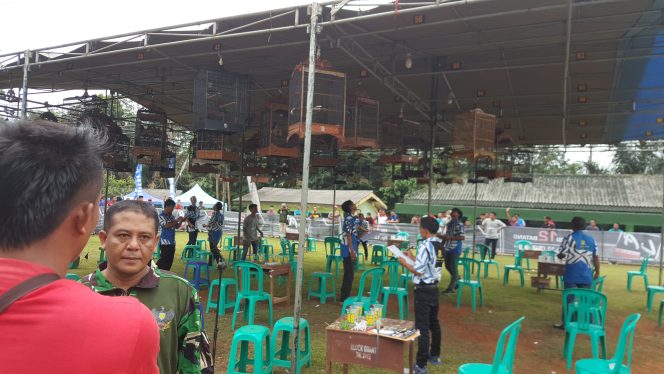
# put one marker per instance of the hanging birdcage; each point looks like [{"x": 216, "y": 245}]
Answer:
[
  {"x": 117, "y": 158},
  {"x": 151, "y": 138},
  {"x": 324, "y": 152},
  {"x": 362, "y": 121},
  {"x": 329, "y": 104},
  {"x": 273, "y": 134},
  {"x": 216, "y": 146},
  {"x": 474, "y": 135},
  {"x": 221, "y": 101},
  {"x": 515, "y": 165}
]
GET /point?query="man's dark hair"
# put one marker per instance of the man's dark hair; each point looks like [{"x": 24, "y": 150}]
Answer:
[
  {"x": 169, "y": 202},
  {"x": 430, "y": 224},
  {"x": 140, "y": 196},
  {"x": 458, "y": 211},
  {"x": 252, "y": 206},
  {"x": 578, "y": 223},
  {"x": 345, "y": 207},
  {"x": 45, "y": 169},
  {"x": 494, "y": 213},
  {"x": 217, "y": 206},
  {"x": 547, "y": 217},
  {"x": 140, "y": 207}
]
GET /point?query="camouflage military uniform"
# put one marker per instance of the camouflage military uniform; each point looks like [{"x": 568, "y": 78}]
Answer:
[{"x": 174, "y": 305}]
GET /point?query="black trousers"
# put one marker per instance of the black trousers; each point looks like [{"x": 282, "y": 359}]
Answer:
[
  {"x": 366, "y": 250},
  {"x": 193, "y": 235},
  {"x": 426, "y": 320},
  {"x": 245, "y": 248},
  {"x": 214, "y": 248},
  {"x": 349, "y": 275},
  {"x": 451, "y": 259},
  {"x": 166, "y": 258},
  {"x": 491, "y": 243}
]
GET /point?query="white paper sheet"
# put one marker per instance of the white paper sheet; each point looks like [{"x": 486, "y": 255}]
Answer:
[{"x": 396, "y": 252}]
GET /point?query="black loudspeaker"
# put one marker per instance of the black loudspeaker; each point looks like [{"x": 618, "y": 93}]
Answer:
[{"x": 221, "y": 101}]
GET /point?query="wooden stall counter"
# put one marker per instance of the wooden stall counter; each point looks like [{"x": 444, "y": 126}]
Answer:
[{"x": 369, "y": 349}]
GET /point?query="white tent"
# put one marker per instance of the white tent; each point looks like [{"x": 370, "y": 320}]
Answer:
[{"x": 208, "y": 201}]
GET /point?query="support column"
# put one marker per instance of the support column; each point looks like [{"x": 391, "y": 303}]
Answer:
[
  {"x": 434, "y": 119},
  {"x": 24, "y": 90},
  {"x": 313, "y": 30}
]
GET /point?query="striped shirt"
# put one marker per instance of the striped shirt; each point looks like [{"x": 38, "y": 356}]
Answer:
[
  {"x": 425, "y": 263},
  {"x": 216, "y": 222}
]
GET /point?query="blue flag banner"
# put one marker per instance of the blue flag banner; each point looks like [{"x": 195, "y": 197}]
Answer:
[
  {"x": 171, "y": 187},
  {"x": 138, "y": 189}
]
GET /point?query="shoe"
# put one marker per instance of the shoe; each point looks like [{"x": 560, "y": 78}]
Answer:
[
  {"x": 560, "y": 326},
  {"x": 420, "y": 370},
  {"x": 435, "y": 360},
  {"x": 448, "y": 292}
]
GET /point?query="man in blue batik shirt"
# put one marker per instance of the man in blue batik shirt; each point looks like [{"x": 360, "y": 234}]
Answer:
[
  {"x": 453, "y": 243},
  {"x": 579, "y": 251},
  {"x": 349, "y": 244}
]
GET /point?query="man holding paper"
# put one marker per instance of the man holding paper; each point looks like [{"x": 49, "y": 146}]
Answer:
[{"x": 425, "y": 277}]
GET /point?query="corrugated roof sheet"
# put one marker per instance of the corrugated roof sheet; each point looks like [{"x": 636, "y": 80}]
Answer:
[
  {"x": 629, "y": 193},
  {"x": 320, "y": 197}
]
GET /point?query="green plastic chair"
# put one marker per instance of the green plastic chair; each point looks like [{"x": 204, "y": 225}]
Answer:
[
  {"x": 244, "y": 272},
  {"x": 405, "y": 277},
  {"x": 466, "y": 280},
  {"x": 74, "y": 264},
  {"x": 359, "y": 262},
  {"x": 518, "y": 257},
  {"x": 622, "y": 358},
  {"x": 378, "y": 253},
  {"x": 394, "y": 289},
  {"x": 72, "y": 276},
  {"x": 189, "y": 251},
  {"x": 282, "y": 352},
  {"x": 321, "y": 280},
  {"x": 642, "y": 272},
  {"x": 661, "y": 309},
  {"x": 503, "y": 359},
  {"x": 467, "y": 253},
  {"x": 203, "y": 244},
  {"x": 584, "y": 313},
  {"x": 652, "y": 290},
  {"x": 598, "y": 284},
  {"x": 485, "y": 259},
  {"x": 311, "y": 245},
  {"x": 332, "y": 244},
  {"x": 524, "y": 245},
  {"x": 226, "y": 302},
  {"x": 376, "y": 275},
  {"x": 263, "y": 350}
]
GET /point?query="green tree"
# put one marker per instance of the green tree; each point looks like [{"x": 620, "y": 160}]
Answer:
[
  {"x": 118, "y": 185},
  {"x": 552, "y": 161},
  {"x": 396, "y": 193},
  {"x": 630, "y": 158}
]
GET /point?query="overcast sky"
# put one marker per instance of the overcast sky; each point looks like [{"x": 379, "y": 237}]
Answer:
[{"x": 29, "y": 24}]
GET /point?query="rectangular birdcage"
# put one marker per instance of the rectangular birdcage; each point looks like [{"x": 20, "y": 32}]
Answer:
[
  {"x": 362, "y": 121},
  {"x": 273, "y": 133},
  {"x": 221, "y": 101},
  {"x": 324, "y": 152},
  {"x": 151, "y": 139},
  {"x": 216, "y": 146},
  {"x": 474, "y": 135},
  {"x": 515, "y": 165},
  {"x": 329, "y": 104}
]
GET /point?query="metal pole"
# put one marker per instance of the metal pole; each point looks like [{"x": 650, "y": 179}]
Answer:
[
  {"x": 566, "y": 74},
  {"x": 239, "y": 209},
  {"x": 106, "y": 194},
  {"x": 434, "y": 118},
  {"x": 314, "y": 10},
  {"x": 661, "y": 240},
  {"x": 24, "y": 93},
  {"x": 474, "y": 205},
  {"x": 334, "y": 200}
]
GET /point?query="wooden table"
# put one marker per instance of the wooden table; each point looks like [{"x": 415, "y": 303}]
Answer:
[
  {"x": 292, "y": 236},
  {"x": 274, "y": 270},
  {"x": 544, "y": 269},
  {"x": 365, "y": 348},
  {"x": 532, "y": 254}
]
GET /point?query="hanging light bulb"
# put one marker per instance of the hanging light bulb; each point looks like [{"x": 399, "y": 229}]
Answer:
[
  {"x": 221, "y": 60},
  {"x": 408, "y": 63}
]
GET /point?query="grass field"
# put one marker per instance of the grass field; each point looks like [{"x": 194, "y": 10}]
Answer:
[{"x": 467, "y": 336}]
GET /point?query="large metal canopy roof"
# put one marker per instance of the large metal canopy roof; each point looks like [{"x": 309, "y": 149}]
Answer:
[{"x": 507, "y": 57}]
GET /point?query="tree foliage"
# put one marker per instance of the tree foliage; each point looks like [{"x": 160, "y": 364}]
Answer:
[
  {"x": 552, "y": 161},
  {"x": 637, "y": 159}
]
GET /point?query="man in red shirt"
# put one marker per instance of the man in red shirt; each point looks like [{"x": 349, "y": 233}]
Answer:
[{"x": 50, "y": 178}]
